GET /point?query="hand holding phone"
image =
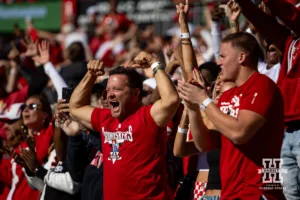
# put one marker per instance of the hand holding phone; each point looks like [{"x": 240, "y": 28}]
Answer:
[{"x": 66, "y": 93}]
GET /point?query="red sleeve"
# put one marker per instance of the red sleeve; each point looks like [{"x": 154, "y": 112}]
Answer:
[
  {"x": 148, "y": 120},
  {"x": 259, "y": 99},
  {"x": 96, "y": 118},
  {"x": 265, "y": 24},
  {"x": 287, "y": 12}
]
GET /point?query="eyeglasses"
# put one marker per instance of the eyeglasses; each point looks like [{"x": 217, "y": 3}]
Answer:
[{"x": 32, "y": 106}]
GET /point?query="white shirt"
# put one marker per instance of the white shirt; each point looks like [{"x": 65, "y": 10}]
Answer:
[{"x": 272, "y": 73}]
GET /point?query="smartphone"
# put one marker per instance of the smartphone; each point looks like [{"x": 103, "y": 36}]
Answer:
[{"x": 66, "y": 93}]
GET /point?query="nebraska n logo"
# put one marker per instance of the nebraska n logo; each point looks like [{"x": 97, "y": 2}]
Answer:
[{"x": 272, "y": 170}]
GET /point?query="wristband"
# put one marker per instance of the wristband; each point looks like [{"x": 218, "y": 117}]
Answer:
[
  {"x": 182, "y": 131},
  {"x": 205, "y": 103},
  {"x": 155, "y": 65},
  {"x": 185, "y": 35},
  {"x": 12, "y": 71},
  {"x": 156, "y": 69}
]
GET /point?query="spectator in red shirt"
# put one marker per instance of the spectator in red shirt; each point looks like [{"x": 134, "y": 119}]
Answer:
[
  {"x": 288, "y": 79},
  {"x": 134, "y": 138},
  {"x": 249, "y": 118}
]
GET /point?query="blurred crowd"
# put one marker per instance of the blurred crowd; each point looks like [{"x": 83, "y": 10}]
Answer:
[{"x": 114, "y": 111}]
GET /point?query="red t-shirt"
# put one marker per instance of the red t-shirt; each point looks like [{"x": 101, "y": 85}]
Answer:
[
  {"x": 239, "y": 164},
  {"x": 20, "y": 188},
  {"x": 134, "y": 155}
]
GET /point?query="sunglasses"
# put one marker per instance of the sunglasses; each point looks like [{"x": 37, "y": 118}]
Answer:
[{"x": 32, "y": 106}]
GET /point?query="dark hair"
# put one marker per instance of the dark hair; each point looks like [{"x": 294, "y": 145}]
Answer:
[
  {"x": 135, "y": 80},
  {"x": 248, "y": 43},
  {"x": 212, "y": 68},
  {"x": 76, "y": 52},
  {"x": 45, "y": 106}
]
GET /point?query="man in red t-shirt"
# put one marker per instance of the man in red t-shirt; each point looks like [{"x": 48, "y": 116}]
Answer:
[
  {"x": 134, "y": 137},
  {"x": 249, "y": 118}
]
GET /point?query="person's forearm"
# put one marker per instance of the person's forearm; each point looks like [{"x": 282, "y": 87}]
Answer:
[
  {"x": 131, "y": 32},
  {"x": 12, "y": 78},
  {"x": 235, "y": 26},
  {"x": 60, "y": 143},
  {"x": 81, "y": 95},
  {"x": 56, "y": 78},
  {"x": 188, "y": 54},
  {"x": 265, "y": 24},
  {"x": 203, "y": 140},
  {"x": 183, "y": 148},
  {"x": 77, "y": 157},
  {"x": 216, "y": 38},
  {"x": 227, "y": 125},
  {"x": 287, "y": 12},
  {"x": 167, "y": 91}
]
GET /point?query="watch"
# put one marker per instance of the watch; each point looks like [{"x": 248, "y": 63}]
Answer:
[{"x": 205, "y": 103}]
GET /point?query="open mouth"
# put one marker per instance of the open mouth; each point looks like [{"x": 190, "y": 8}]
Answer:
[
  {"x": 26, "y": 116},
  {"x": 114, "y": 105}
]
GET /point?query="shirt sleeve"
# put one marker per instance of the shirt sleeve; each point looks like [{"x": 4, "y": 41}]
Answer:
[
  {"x": 56, "y": 78},
  {"x": 96, "y": 118},
  {"x": 148, "y": 119},
  {"x": 259, "y": 99}
]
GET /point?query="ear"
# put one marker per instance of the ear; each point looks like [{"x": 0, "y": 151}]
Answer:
[
  {"x": 136, "y": 92},
  {"x": 242, "y": 58}
]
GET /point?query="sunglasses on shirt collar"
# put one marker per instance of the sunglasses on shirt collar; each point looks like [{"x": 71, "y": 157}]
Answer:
[{"x": 32, "y": 106}]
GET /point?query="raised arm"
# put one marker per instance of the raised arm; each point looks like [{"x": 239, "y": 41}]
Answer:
[
  {"x": 233, "y": 13},
  {"x": 80, "y": 107},
  {"x": 183, "y": 148},
  {"x": 188, "y": 53},
  {"x": 265, "y": 24},
  {"x": 164, "y": 109},
  {"x": 287, "y": 12},
  {"x": 44, "y": 58}
]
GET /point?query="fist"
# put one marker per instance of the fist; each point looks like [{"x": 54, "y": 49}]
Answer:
[
  {"x": 144, "y": 59},
  {"x": 96, "y": 68}
]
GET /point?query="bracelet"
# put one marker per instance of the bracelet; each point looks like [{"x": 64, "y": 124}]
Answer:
[
  {"x": 56, "y": 123},
  {"x": 186, "y": 43},
  {"x": 205, "y": 103},
  {"x": 233, "y": 24},
  {"x": 182, "y": 131},
  {"x": 155, "y": 70},
  {"x": 155, "y": 65},
  {"x": 185, "y": 35}
]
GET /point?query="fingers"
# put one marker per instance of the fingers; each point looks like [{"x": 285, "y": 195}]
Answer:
[{"x": 96, "y": 67}]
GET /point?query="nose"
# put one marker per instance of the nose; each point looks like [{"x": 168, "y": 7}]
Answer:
[
  {"x": 110, "y": 94},
  {"x": 219, "y": 63}
]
